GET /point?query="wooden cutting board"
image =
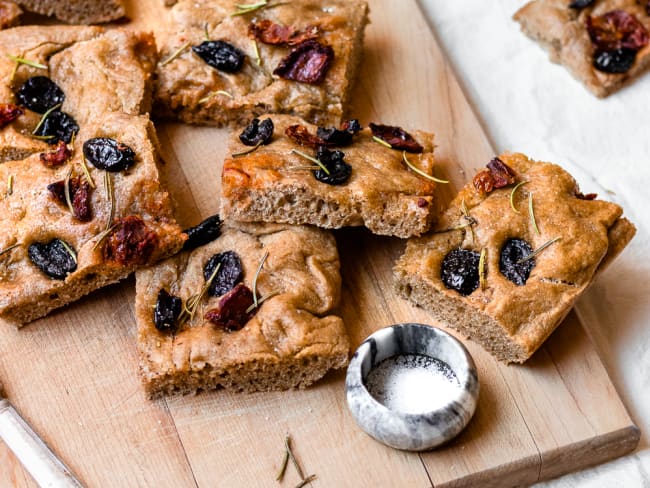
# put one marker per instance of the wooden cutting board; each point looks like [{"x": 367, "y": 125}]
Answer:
[{"x": 74, "y": 374}]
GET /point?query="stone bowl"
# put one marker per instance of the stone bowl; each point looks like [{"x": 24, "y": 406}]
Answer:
[{"x": 412, "y": 431}]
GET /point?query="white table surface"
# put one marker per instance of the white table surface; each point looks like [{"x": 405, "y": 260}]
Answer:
[{"x": 531, "y": 105}]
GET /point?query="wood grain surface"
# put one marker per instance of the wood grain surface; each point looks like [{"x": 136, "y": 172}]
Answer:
[{"x": 74, "y": 377}]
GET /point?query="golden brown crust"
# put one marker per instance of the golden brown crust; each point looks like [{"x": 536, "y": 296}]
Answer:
[
  {"x": 185, "y": 82},
  {"x": 562, "y": 31},
  {"x": 512, "y": 321},
  {"x": 77, "y": 58},
  {"x": 381, "y": 194},
  {"x": 290, "y": 342},
  {"x": 77, "y": 11},
  {"x": 10, "y": 14}
]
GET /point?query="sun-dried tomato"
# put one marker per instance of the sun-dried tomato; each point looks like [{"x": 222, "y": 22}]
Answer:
[
  {"x": 497, "y": 175},
  {"x": 79, "y": 196},
  {"x": 397, "y": 137},
  {"x": 308, "y": 62},
  {"x": 617, "y": 29},
  {"x": 269, "y": 32},
  {"x": 58, "y": 156},
  {"x": 8, "y": 113},
  {"x": 588, "y": 196},
  {"x": 231, "y": 314},
  {"x": 301, "y": 135},
  {"x": 130, "y": 242}
]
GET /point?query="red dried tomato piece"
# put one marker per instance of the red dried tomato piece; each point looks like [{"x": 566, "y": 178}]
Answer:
[
  {"x": 588, "y": 196},
  {"x": 8, "y": 113},
  {"x": 308, "y": 62},
  {"x": 397, "y": 137},
  {"x": 130, "y": 242},
  {"x": 231, "y": 314},
  {"x": 301, "y": 135},
  {"x": 269, "y": 32},
  {"x": 56, "y": 157},
  {"x": 617, "y": 29},
  {"x": 79, "y": 196},
  {"x": 497, "y": 175}
]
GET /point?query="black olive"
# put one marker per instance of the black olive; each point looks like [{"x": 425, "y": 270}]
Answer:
[
  {"x": 339, "y": 170},
  {"x": 257, "y": 132},
  {"x": 60, "y": 125},
  {"x": 220, "y": 55},
  {"x": 166, "y": 313},
  {"x": 513, "y": 251},
  {"x": 206, "y": 231},
  {"x": 578, "y": 4},
  {"x": 40, "y": 94},
  {"x": 53, "y": 258},
  {"x": 615, "y": 61},
  {"x": 339, "y": 137},
  {"x": 460, "y": 271},
  {"x": 230, "y": 272},
  {"x": 108, "y": 154}
]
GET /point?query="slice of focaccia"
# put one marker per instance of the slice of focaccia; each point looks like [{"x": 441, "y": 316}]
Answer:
[
  {"x": 223, "y": 63},
  {"x": 512, "y": 254},
  {"x": 278, "y": 178},
  {"x": 198, "y": 324}
]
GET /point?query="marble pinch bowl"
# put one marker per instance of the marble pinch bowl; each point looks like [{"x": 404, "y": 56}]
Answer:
[{"x": 408, "y": 431}]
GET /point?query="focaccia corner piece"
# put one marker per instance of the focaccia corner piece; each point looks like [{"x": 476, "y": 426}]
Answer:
[
  {"x": 291, "y": 338},
  {"x": 223, "y": 64},
  {"x": 603, "y": 43},
  {"x": 77, "y": 11},
  {"x": 370, "y": 183},
  {"x": 512, "y": 254},
  {"x": 81, "y": 204}
]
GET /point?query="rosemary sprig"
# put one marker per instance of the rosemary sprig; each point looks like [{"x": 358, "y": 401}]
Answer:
[
  {"x": 257, "y": 274},
  {"x": 175, "y": 54},
  {"x": 19, "y": 60},
  {"x": 313, "y": 160},
  {"x": 66, "y": 192},
  {"x": 102, "y": 235},
  {"x": 70, "y": 251},
  {"x": 418, "y": 171},
  {"x": 532, "y": 214},
  {"x": 482, "y": 271},
  {"x": 213, "y": 94},
  {"x": 110, "y": 195},
  {"x": 192, "y": 303},
  {"x": 89, "y": 178},
  {"x": 538, "y": 250},
  {"x": 382, "y": 142},
  {"x": 246, "y": 151},
  {"x": 307, "y": 480},
  {"x": 7, "y": 249},
  {"x": 512, "y": 195},
  {"x": 256, "y": 51},
  {"x": 262, "y": 300},
  {"x": 45, "y": 116},
  {"x": 10, "y": 185}
]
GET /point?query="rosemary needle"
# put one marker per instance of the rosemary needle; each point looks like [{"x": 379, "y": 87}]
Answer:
[
  {"x": 420, "y": 172},
  {"x": 10, "y": 184},
  {"x": 7, "y": 249},
  {"x": 532, "y": 214},
  {"x": 257, "y": 274},
  {"x": 66, "y": 192},
  {"x": 305, "y": 481},
  {"x": 20, "y": 60},
  {"x": 175, "y": 54},
  {"x": 512, "y": 195},
  {"x": 382, "y": 142},
  {"x": 108, "y": 185},
  {"x": 45, "y": 116},
  {"x": 213, "y": 94},
  {"x": 313, "y": 160},
  {"x": 283, "y": 468},
  {"x": 481, "y": 269},
  {"x": 287, "y": 445},
  {"x": 246, "y": 151},
  {"x": 538, "y": 250}
]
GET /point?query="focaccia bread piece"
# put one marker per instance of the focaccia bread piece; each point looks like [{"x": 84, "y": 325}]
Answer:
[
  {"x": 106, "y": 235},
  {"x": 273, "y": 183},
  {"x": 117, "y": 64},
  {"x": 77, "y": 11},
  {"x": 318, "y": 42},
  {"x": 10, "y": 14},
  {"x": 505, "y": 266},
  {"x": 603, "y": 44},
  {"x": 290, "y": 340}
]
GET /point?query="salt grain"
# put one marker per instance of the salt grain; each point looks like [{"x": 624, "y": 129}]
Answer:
[{"x": 412, "y": 383}]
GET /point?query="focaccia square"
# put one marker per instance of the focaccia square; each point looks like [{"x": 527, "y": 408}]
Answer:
[
  {"x": 512, "y": 254},
  {"x": 318, "y": 43},
  {"x": 275, "y": 182},
  {"x": 290, "y": 340},
  {"x": 603, "y": 43}
]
